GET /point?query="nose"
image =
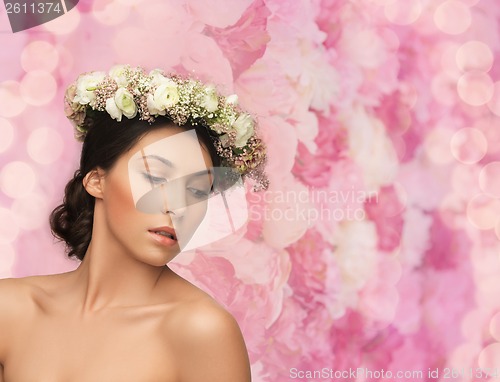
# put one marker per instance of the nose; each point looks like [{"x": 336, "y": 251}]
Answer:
[{"x": 174, "y": 198}]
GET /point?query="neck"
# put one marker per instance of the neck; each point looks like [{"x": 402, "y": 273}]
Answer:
[{"x": 108, "y": 277}]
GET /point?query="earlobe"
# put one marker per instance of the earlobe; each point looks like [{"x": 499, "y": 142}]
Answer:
[{"x": 94, "y": 183}]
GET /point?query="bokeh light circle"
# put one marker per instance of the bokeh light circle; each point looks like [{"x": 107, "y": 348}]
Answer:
[
  {"x": 495, "y": 326},
  {"x": 110, "y": 12},
  {"x": 483, "y": 211},
  {"x": 494, "y": 102},
  {"x": 474, "y": 55},
  {"x": 475, "y": 88},
  {"x": 11, "y": 102},
  {"x": 38, "y": 87},
  {"x": 64, "y": 25},
  {"x": 17, "y": 179},
  {"x": 489, "y": 179},
  {"x": 489, "y": 358},
  {"x": 8, "y": 226},
  {"x": 39, "y": 55},
  {"x": 31, "y": 211},
  {"x": 6, "y": 134},
  {"x": 468, "y": 145},
  {"x": 452, "y": 17},
  {"x": 45, "y": 145},
  {"x": 403, "y": 12}
]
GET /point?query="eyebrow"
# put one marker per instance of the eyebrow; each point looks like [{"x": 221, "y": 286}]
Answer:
[
  {"x": 202, "y": 172},
  {"x": 161, "y": 159},
  {"x": 170, "y": 164}
]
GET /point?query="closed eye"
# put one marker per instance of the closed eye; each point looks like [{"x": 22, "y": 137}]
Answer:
[
  {"x": 198, "y": 193},
  {"x": 154, "y": 179}
]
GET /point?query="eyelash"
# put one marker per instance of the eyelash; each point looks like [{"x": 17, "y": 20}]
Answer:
[
  {"x": 154, "y": 179},
  {"x": 196, "y": 192}
]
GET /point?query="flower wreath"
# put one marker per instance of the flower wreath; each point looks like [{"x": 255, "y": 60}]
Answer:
[{"x": 129, "y": 91}]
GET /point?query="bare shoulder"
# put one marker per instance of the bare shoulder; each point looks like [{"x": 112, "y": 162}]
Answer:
[
  {"x": 14, "y": 295},
  {"x": 204, "y": 334},
  {"x": 20, "y": 300},
  {"x": 14, "y": 292},
  {"x": 19, "y": 295},
  {"x": 22, "y": 291}
]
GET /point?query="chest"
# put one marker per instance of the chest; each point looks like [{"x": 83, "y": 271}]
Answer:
[{"x": 115, "y": 349}]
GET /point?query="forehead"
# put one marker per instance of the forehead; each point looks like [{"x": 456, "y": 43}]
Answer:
[
  {"x": 161, "y": 133},
  {"x": 179, "y": 148}
]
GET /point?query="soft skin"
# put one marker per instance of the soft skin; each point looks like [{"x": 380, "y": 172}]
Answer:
[
  {"x": 179, "y": 183},
  {"x": 122, "y": 315}
]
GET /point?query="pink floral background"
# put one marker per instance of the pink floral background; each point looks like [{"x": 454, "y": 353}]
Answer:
[{"x": 378, "y": 243}]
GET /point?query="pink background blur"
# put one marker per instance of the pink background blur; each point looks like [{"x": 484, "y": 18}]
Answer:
[{"x": 377, "y": 245}]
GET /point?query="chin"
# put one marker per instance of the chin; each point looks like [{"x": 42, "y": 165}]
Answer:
[
  {"x": 157, "y": 258},
  {"x": 170, "y": 258}
]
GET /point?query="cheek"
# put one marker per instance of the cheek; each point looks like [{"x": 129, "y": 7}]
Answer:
[
  {"x": 193, "y": 216},
  {"x": 138, "y": 185},
  {"x": 199, "y": 212},
  {"x": 119, "y": 201}
]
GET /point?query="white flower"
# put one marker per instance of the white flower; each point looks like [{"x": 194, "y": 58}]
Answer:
[
  {"x": 86, "y": 85},
  {"x": 125, "y": 102},
  {"x": 244, "y": 129},
  {"x": 210, "y": 100},
  {"x": 370, "y": 147},
  {"x": 232, "y": 99},
  {"x": 356, "y": 259},
  {"x": 224, "y": 140},
  {"x": 157, "y": 77},
  {"x": 113, "y": 109},
  {"x": 166, "y": 95},
  {"x": 153, "y": 110},
  {"x": 117, "y": 73}
]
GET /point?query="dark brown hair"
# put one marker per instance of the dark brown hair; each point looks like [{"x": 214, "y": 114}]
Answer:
[{"x": 105, "y": 141}]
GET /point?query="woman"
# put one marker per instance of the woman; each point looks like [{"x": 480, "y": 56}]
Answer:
[{"x": 152, "y": 145}]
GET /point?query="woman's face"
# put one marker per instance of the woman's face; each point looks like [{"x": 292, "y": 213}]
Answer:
[{"x": 155, "y": 196}]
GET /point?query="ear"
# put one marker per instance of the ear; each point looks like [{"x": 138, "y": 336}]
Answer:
[{"x": 93, "y": 182}]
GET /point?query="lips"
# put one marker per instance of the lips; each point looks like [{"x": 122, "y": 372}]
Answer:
[{"x": 164, "y": 235}]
